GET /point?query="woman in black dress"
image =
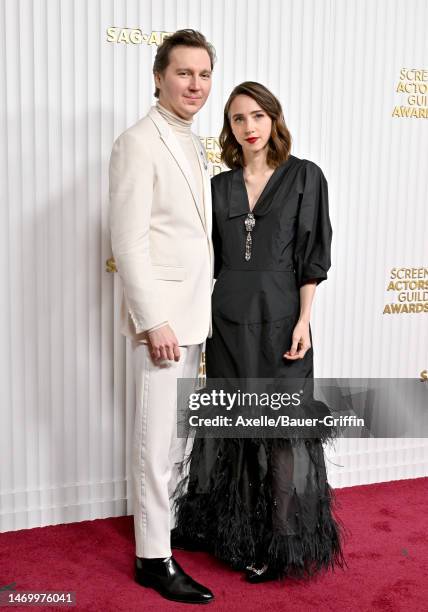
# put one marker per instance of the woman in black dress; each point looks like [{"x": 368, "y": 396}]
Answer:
[{"x": 263, "y": 505}]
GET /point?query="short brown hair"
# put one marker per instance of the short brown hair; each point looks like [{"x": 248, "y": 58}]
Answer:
[
  {"x": 280, "y": 140},
  {"x": 184, "y": 38}
]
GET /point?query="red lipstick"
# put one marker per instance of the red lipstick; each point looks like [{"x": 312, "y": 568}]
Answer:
[{"x": 252, "y": 139}]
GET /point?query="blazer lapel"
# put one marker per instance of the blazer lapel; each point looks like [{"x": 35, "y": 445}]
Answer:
[
  {"x": 205, "y": 205},
  {"x": 207, "y": 200},
  {"x": 177, "y": 152}
]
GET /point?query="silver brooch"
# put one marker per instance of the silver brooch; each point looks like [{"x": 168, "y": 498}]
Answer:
[{"x": 249, "y": 226}]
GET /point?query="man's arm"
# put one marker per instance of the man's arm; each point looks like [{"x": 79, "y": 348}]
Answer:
[{"x": 131, "y": 195}]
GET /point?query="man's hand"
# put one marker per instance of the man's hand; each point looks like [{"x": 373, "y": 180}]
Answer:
[{"x": 163, "y": 344}]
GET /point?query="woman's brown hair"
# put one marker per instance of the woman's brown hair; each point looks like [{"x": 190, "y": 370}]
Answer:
[{"x": 279, "y": 144}]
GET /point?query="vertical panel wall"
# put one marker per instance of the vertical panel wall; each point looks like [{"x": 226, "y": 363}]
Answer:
[{"x": 68, "y": 88}]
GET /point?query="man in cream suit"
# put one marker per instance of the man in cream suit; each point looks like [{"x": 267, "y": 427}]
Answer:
[{"x": 160, "y": 224}]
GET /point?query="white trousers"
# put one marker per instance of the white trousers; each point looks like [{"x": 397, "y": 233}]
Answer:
[{"x": 156, "y": 447}]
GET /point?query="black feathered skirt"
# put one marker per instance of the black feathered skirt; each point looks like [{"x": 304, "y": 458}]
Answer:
[{"x": 265, "y": 500}]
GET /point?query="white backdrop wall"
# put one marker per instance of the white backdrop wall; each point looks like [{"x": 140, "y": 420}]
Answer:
[{"x": 66, "y": 92}]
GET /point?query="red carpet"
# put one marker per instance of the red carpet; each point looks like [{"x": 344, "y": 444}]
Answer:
[{"x": 386, "y": 550}]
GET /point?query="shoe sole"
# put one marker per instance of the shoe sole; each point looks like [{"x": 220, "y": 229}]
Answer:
[{"x": 148, "y": 585}]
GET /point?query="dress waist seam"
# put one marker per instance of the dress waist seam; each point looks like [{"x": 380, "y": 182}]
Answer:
[{"x": 290, "y": 270}]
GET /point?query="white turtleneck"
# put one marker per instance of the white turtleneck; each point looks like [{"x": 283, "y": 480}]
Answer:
[
  {"x": 182, "y": 130},
  {"x": 179, "y": 124}
]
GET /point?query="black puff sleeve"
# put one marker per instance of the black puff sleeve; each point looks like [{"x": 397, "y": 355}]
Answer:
[{"x": 314, "y": 232}]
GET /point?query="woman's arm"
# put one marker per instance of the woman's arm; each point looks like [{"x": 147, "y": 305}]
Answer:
[{"x": 301, "y": 340}]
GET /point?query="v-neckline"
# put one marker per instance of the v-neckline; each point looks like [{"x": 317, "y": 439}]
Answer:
[
  {"x": 251, "y": 210},
  {"x": 238, "y": 196}
]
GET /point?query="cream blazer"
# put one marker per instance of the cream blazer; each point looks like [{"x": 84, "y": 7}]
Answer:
[{"x": 161, "y": 232}]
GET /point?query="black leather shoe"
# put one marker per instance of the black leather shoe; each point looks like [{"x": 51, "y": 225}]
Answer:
[
  {"x": 170, "y": 581},
  {"x": 180, "y": 543}
]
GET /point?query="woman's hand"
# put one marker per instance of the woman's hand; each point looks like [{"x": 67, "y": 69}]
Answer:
[{"x": 301, "y": 341}]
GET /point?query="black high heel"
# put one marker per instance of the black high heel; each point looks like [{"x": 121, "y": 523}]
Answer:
[{"x": 264, "y": 574}]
